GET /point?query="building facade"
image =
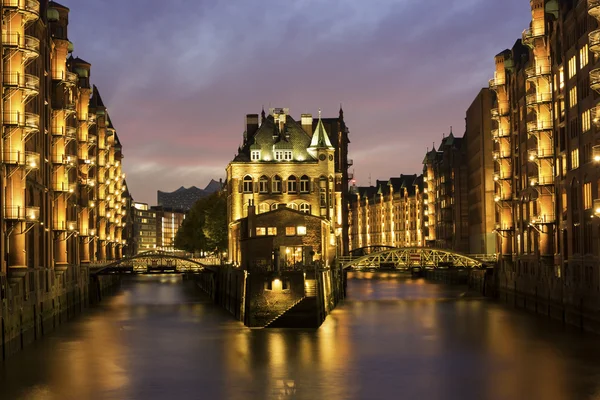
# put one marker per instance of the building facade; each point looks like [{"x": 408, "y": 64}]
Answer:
[
  {"x": 285, "y": 163},
  {"x": 388, "y": 214},
  {"x": 445, "y": 175},
  {"x": 168, "y": 221},
  {"x": 62, "y": 176},
  {"x": 546, "y": 134},
  {"x": 144, "y": 229},
  {"x": 481, "y": 179}
]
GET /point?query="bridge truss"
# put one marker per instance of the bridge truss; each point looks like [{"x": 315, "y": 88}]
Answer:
[
  {"x": 152, "y": 262},
  {"x": 407, "y": 258}
]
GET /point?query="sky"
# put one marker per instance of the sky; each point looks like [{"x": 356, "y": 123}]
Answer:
[{"x": 179, "y": 76}]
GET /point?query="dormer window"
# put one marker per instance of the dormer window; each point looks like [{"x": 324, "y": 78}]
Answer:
[
  {"x": 255, "y": 155},
  {"x": 283, "y": 155},
  {"x": 278, "y": 155},
  {"x": 287, "y": 155}
]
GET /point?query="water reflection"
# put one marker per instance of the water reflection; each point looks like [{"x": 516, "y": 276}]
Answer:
[{"x": 160, "y": 339}]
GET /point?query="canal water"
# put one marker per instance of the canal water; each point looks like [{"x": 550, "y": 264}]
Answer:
[{"x": 391, "y": 339}]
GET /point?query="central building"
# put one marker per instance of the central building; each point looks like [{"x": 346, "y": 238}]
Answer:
[{"x": 284, "y": 165}]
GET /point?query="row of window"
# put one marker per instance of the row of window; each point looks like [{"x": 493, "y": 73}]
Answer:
[
  {"x": 279, "y": 155},
  {"x": 294, "y": 185},
  {"x": 289, "y": 231}
]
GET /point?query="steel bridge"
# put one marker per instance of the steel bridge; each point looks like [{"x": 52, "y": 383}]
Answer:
[
  {"x": 152, "y": 262},
  {"x": 408, "y": 258}
]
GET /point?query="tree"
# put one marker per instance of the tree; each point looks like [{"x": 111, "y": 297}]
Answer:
[{"x": 205, "y": 226}]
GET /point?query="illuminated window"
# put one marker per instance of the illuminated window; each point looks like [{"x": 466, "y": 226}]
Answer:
[
  {"x": 304, "y": 184},
  {"x": 247, "y": 184},
  {"x": 274, "y": 206},
  {"x": 561, "y": 77},
  {"x": 292, "y": 184},
  {"x": 587, "y": 195},
  {"x": 573, "y": 97},
  {"x": 301, "y": 230},
  {"x": 572, "y": 67},
  {"x": 287, "y": 155},
  {"x": 255, "y": 155},
  {"x": 271, "y": 231},
  {"x": 293, "y": 206},
  {"x": 263, "y": 208},
  {"x": 586, "y": 121},
  {"x": 261, "y": 231},
  {"x": 583, "y": 56},
  {"x": 575, "y": 159},
  {"x": 290, "y": 230},
  {"x": 278, "y": 155},
  {"x": 276, "y": 184},
  {"x": 305, "y": 208},
  {"x": 263, "y": 184}
]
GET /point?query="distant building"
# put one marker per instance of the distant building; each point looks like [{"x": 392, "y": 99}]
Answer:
[
  {"x": 183, "y": 198},
  {"x": 168, "y": 221},
  {"x": 144, "y": 228},
  {"x": 445, "y": 175},
  {"x": 387, "y": 214}
]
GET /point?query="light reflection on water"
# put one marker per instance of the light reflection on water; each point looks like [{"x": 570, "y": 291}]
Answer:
[{"x": 409, "y": 339}]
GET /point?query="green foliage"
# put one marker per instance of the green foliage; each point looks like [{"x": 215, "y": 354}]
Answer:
[{"x": 205, "y": 226}]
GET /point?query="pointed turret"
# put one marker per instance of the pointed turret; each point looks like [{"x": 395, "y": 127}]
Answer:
[
  {"x": 96, "y": 100},
  {"x": 320, "y": 139}
]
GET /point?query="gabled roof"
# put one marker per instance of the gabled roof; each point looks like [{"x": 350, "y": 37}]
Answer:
[
  {"x": 320, "y": 138},
  {"x": 54, "y": 4},
  {"x": 96, "y": 100}
]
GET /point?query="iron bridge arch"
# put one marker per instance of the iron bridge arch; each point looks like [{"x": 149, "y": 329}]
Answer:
[
  {"x": 407, "y": 258},
  {"x": 154, "y": 261},
  {"x": 363, "y": 251}
]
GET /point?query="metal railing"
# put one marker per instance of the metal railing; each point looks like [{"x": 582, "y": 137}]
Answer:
[
  {"x": 537, "y": 98},
  {"x": 22, "y": 81},
  {"x": 22, "y": 119},
  {"x": 27, "y": 159},
  {"x": 536, "y": 126},
  {"x": 27, "y": 213},
  {"x": 64, "y": 187}
]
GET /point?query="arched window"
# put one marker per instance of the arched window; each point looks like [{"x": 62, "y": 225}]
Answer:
[
  {"x": 247, "y": 188},
  {"x": 274, "y": 206},
  {"x": 304, "y": 184},
  {"x": 292, "y": 184},
  {"x": 293, "y": 206},
  {"x": 305, "y": 207},
  {"x": 276, "y": 184},
  {"x": 263, "y": 184},
  {"x": 263, "y": 208}
]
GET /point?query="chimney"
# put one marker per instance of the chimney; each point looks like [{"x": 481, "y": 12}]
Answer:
[
  {"x": 307, "y": 121},
  {"x": 251, "y": 125}
]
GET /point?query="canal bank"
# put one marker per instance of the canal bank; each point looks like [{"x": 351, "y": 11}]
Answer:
[{"x": 37, "y": 303}]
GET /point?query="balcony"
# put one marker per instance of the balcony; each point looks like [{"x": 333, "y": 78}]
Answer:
[
  {"x": 64, "y": 187},
  {"x": 542, "y": 180},
  {"x": 595, "y": 79},
  {"x": 535, "y": 127},
  {"x": 537, "y": 71},
  {"x": 504, "y": 226},
  {"x": 543, "y": 219},
  {"x": 495, "y": 83},
  {"x": 68, "y": 132},
  {"x": 89, "y": 182},
  {"x": 28, "y": 45},
  {"x": 18, "y": 213},
  {"x": 530, "y": 34},
  {"x": 500, "y": 111},
  {"x": 29, "y": 8},
  {"x": 538, "y": 98},
  {"x": 65, "y": 226},
  {"x": 500, "y": 133},
  {"x": 500, "y": 176},
  {"x": 64, "y": 159},
  {"x": 29, "y": 84},
  {"x": 27, "y": 159},
  {"x": 501, "y": 154},
  {"x": 594, "y": 8},
  {"x": 595, "y": 114},
  {"x": 28, "y": 121},
  {"x": 540, "y": 153},
  {"x": 503, "y": 196}
]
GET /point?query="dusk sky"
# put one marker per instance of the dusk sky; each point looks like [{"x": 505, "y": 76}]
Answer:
[{"x": 179, "y": 76}]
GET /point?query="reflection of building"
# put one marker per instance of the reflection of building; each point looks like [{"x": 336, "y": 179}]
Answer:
[
  {"x": 388, "y": 214},
  {"x": 168, "y": 221},
  {"x": 445, "y": 174},
  {"x": 144, "y": 228},
  {"x": 183, "y": 198},
  {"x": 284, "y": 163}
]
